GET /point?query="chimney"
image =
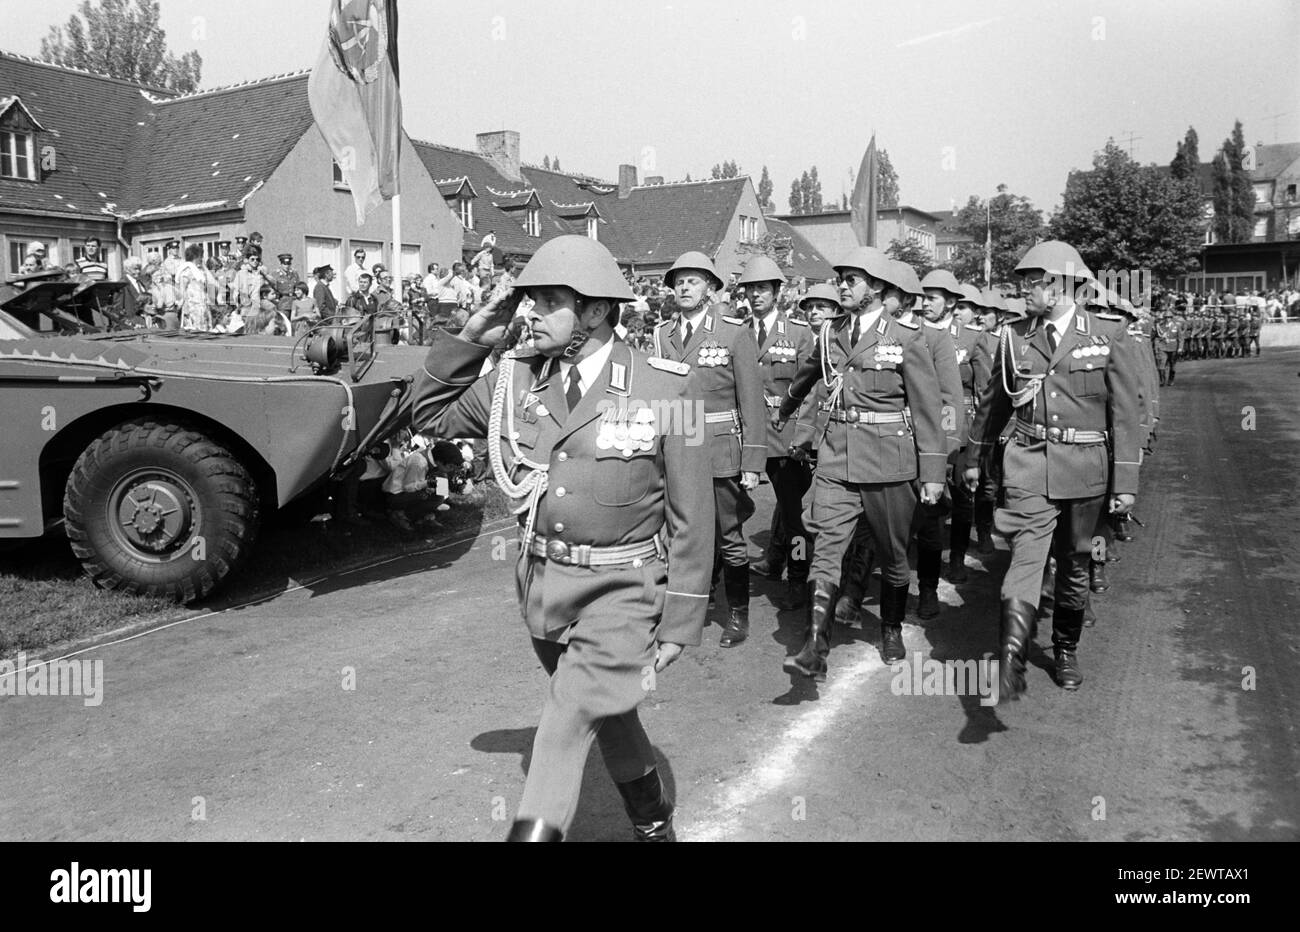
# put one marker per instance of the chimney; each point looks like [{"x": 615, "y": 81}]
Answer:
[
  {"x": 655, "y": 179},
  {"x": 502, "y": 150},
  {"x": 626, "y": 180}
]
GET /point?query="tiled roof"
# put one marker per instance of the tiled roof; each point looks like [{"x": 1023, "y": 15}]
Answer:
[
  {"x": 560, "y": 190},
  {"x": 805, "y": 258},
  {"x": 660, "y": 222}
]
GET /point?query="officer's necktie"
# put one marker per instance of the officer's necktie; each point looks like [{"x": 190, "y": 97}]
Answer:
[
  {"x": 1051, "y": 336},
  {"x": 762, "y": 334},
  {"x": 857, "y": 330},
  {"x": 573, "y": 394},
  {"x": 689, "y": 331}
]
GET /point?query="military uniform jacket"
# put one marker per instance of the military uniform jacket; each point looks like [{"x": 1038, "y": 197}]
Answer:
[
  {"x": 1089, "y": 383},
  {"x": 888, "y": 370},
  {"x": 605, "y": 488},
  {"x": 788, "y": 346},
  {"x": 1140, "y": 333},
  {"x": 943, "y": 353},
  {"x": 1168, "y": 335},
  {"x": 283, "y": 280},
  {"x": 724, "y": 364}
]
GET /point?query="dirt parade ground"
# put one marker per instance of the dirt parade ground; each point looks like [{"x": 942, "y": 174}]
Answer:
[{"x": 399, "y": 702}]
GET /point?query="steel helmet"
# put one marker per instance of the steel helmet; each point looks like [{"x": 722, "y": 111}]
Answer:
[
  {"x": 903, "y": 277},
  {"x": 761, "y": 269},
  {"x": 576, "y": 262},
  {"x": 993, "y": 300},
  {"x": 694, "y": 260},
  {"x": 1055, "y": 258},
  {"x": 971, "y": 295},
  {"x": 869, "y": 259},
  {"x": 823, "y": 291},
  {"x": 943, "y": 280},
  {"x": 1016, "y": 308}
]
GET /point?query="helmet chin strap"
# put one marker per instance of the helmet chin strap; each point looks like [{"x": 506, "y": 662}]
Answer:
[{"x": 580, "y": 335}]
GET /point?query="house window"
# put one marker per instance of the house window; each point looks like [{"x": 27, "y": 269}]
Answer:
[
  {"x": 533, "y": 222},
  {"x": 339, "y": 183},
  {"x": 16, "y": 156},
  {"x": 591, "y": 228},
  {"x": 1290, "y": 192},
  {"x": 748, "y": 229},
  {"x": 466, "y": 207},
  {"x": 1261, "y": 228}
]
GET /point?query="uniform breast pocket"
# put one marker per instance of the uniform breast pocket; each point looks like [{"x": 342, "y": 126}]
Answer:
[
  {"x": 625, "y": 479},
  {"x": 883, "y": 376},
  {"x": 526, "y": 433},
  {"x": 1088, "y": 376}
]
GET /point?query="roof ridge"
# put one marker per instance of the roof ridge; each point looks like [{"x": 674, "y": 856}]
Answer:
[
  {"x": 5, "y": 53},
  {"x": 440, "y": 145},
  {"x": 576, "y": 176},
  {"x": 671, "y": 184},
  {"x": 270, "y": 79}
]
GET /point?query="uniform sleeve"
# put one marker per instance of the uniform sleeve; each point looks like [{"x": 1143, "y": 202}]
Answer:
[
  {"x": 981, "y": 364},
  {"x": 945, "y": 366},
  {"x": 688, "y": 527},
  {"x": 804, "y": 379},
  {"x": 1123, "y": 384},
  {"x": 993, "y": 410},
  {"x": 926, "y": 403},
  {"x": 449, "y": 398},
  {"x": 749, "y": 401}
]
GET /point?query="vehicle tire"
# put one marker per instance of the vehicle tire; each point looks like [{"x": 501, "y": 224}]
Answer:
[{"x": 158, "y": 508}]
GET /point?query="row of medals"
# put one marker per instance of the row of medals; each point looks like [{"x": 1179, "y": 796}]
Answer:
[
  {"x": 628, "y": 436},
  {"x": 1091, "y": 350},
  {"x": 713, "y": 356}
]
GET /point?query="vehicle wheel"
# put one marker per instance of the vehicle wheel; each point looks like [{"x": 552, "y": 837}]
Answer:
[{"x": 159, "y": 509}]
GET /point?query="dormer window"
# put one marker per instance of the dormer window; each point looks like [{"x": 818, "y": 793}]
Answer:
[
  {"x": 591, "y": 228},
  {"x": 16, "y": 156},
  {"x": 466, "y": 210},
  {"x": 533, "y": 222}
]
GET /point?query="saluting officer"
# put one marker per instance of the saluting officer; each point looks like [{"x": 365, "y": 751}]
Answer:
[
  {"x": 283, "y": 280},
  {"x": 784, "y": 344},
  {"x": 1070, "y": 377},
  {"x": 723, "y": 357},
  {"x": 617, "y": 533},
  {"x": 866, "y": 370}
]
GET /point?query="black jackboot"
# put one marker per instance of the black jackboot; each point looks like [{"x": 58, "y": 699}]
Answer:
[
  {"x": 650, "y": 811},
  {"x": 1066, "y": 628},
  {"x": 1097, "y": 581},
  {"x": 811, "y": 659},
  {"x": 857, "y": 573},
  {"x": 893, "y": 607},
  {"x": 772, "y": 565},
  {"x": 1017, "y": 620},
  {"x": 928, "y": 563},
  {"x": 957, "y": 544},
  {"x": 534, "y": 830},
  {"x": 796, "y": 586},
  {"x": 735, "y": 580},
  {"x": 984, "y": 526}
]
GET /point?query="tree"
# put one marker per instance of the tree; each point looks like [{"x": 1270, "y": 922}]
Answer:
[
  {"x": 780, "y": 249},
  {"x": 546, "y": 162},
  {"x": 796, "y": 195},
  {"x": 1125, "y": 217},
  {"x": 121, "y": 38},
  {"x": 1187, "y": 160},
  {"x": 1234, "y": 196},
  {"x": 1015, "y": 225},
  {"x": 806, "y": 193},
  {"x": 914, "y": 254},
  {"x": 688, "y": 176},
  {"x": 725, "y": 170},
  {"x": 814, "y": 192},
  {"x": 555, "y": 164},
  {"x": 887, "y": 182},
  {"x": 765, "y": 189}
]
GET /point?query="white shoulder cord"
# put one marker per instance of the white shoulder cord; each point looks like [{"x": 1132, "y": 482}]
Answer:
[
  {"x": 533, "y": 485},
  {"x": 834, "y": 380},
  {"x": 1030, "y": 392}
]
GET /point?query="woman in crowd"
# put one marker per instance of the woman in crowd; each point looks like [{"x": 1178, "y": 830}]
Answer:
[{"x": 192, "y": 291}]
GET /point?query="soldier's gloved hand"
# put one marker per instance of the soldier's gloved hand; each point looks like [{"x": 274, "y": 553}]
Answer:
[
  {"x": 1121, "y": 503},
  {"x": 971, "y": 477},
  {"x": 749, "y": 481},
  {"x": 778, "y": 422},
  {"x": 799, "y": 454},
  {"x": 931, "y": 492},
  {"x": 667, "y": 653}
]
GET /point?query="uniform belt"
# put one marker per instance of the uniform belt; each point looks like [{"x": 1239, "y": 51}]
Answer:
[
  {"x": 1032, "y": 432},
  {"x": 721, "y": 417},
  {"x": 557, "y": 551},
  {"x": 772, "y": 401},
  {"x": 968, "y": 401},
  {"x": 854, "y": 416}
]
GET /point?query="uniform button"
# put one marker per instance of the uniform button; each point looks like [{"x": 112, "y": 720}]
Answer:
[
  {"x": 1053, "y": 395},
  {"x": 1088, "y": 366},
  {"x": 514, "y": 435},
  {"x": 1055, "y": 417},
  {"x": 877, "y": 365},
  {"x": 1051, "y": 372},
  {"x": 560, "y": 493},
  {"x": 562, "y": 456},
  {"x": 850, "y": 368},
  {"x": 638, "y": 563},
  {"x": 559, "y": 526},
  {"x": 900, "y": 433}
]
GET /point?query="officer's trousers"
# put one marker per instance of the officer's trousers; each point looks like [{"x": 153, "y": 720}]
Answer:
[
  {"x": 887, "y": 509},
  {"x": 600, "y": 669},
  {"x": 790, "y": 480},
  {"x": 1038, "y": 526},
  {"x": 732, "y": 507}
]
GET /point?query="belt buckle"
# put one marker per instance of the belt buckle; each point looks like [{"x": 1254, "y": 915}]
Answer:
[
  {"x": 557, "y": 551},
  {"x": 852, "y": 415},
  {"x": 1054, "y": 434}
]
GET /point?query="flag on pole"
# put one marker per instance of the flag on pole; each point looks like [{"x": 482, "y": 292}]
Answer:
[
  {"x": 865, "y": 195},
  {"x": 353, "y": 91},
  {"x": 988, "y": 245}
]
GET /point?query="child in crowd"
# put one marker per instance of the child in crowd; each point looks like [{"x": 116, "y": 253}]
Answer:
[{"x": 305, "y": 313}]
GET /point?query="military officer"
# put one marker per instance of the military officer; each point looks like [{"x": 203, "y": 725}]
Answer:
[
  {"x": 876, "y": 421},
  {"x": 974, "y": 368},
  {"x": 1216, "y": 334},
  {"x": 1168, "y": 337},
  {"x": 723, "y": 357},
  {"x": 283, "y": 280},
  {"x": 1070, "y": 377},
  {"x": 1252, "y": 333},
  {"x": 217, "y": 263},
  {"x": 784, "y": 344},
  {"x": 612, "y": 577}
]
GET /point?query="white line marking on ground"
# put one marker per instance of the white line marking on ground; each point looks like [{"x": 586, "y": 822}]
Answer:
[{"x": 502, "y": 523}]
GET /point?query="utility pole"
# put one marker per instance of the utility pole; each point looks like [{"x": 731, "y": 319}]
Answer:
[{"x": 1131, "y": 138}]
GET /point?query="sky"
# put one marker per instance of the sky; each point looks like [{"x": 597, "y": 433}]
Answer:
[{"x": 964, "y": 94}]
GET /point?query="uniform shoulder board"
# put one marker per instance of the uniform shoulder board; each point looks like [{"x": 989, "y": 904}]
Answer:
[
  {"x": 667, "y": 365},
  {"x": 976, "y": 329},
  {"x": 909, "y": 326},
  {"x": 522, "y": 352},
  {"x": 796, "y": 321},
  {"x": 1109, "y": 316},
  {"x": 732, "y": 320}
]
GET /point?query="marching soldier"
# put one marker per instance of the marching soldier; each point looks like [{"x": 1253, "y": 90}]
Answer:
[
  {"x": 784, "y": 344},
  {"x": 986, "y": 498},
  {"x": 1216, "y": 335},
  {"x": 723, "y": 357},
  {"x": 612, "y": 577},
  {"x": 1230, "y": 333},
  {"x": 867, "y": 370},
  {"x": 1070, "y": 377},
  {"x": 973, "y": 367},
  {"x": 1252, "y": 333},
  {"x": 1168, "y": 336},
  {"x": 283, "y": 280}
]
